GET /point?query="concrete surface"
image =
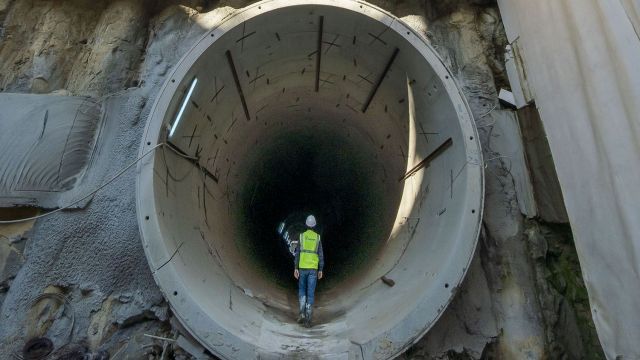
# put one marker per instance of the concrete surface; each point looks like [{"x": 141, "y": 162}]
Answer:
[{"x": 251, "y": 81}]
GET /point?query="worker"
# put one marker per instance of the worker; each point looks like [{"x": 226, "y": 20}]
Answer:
[{"x": 309, "y": 261}]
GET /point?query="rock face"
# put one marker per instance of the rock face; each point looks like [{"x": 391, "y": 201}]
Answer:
[
  {"x": 523, "y": 297},
  {"x": 40, "y": 41}
]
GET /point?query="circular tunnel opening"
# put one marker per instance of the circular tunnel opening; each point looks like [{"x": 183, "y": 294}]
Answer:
[{"x": 291, "y": 107}]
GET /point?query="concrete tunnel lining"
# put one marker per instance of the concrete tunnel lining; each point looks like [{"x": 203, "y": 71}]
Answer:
[{"x": 423, "y": 231}]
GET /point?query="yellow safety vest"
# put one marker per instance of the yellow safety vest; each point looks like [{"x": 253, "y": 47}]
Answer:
[{"x": 309, "y": 241}]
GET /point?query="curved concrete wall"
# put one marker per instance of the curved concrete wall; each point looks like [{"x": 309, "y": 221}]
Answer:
[{"x": 350, "y": 97}]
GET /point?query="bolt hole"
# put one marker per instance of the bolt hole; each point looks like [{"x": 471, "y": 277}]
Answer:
[
  {"x": 173, "y": 80},
  {"x": 148, "y": 142},
  {"x": 446, "y": 76},
  {"x": 408, "y": 33},
  {"x": 259, "y": 7},
  {"x": 473, "y": 211},
  {"x": 212, "y": 35},
  {"x": 175, "y": 293},
  {"x": 146, "y": 217},
  {"x": 470, "y": 137},
  {"x": 446, "y": 285}
]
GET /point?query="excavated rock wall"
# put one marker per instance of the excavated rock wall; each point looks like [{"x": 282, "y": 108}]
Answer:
[{"x": 523, "y": 297}]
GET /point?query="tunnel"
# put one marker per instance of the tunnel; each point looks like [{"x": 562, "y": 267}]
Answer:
[{"x": 331, "y": 108}]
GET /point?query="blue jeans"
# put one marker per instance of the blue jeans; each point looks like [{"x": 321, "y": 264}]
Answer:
[{"x": 307, "y": 284}]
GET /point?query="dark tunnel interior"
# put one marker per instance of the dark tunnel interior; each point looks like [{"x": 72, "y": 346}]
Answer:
[{"x": 320, "y": 172}]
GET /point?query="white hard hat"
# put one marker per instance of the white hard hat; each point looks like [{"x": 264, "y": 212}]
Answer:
[{"x": 311, "y": 221}]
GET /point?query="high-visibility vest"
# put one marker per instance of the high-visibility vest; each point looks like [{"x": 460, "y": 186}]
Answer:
[{"x": 309, "y": 241}]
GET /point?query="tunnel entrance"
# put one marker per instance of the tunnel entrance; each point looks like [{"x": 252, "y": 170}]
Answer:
[{"x": 335, "y": 108}]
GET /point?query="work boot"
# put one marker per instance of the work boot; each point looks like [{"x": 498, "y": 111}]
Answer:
[
  {"x": 301, "y": 317},
  {"x": 301, "y": 313},
  {"x": 308, "y": 313}
]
